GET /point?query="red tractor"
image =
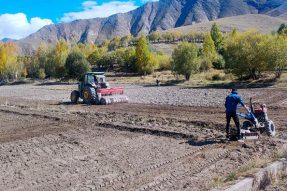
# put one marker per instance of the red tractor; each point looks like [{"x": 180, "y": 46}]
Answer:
[{"x": 94, "y": 89}]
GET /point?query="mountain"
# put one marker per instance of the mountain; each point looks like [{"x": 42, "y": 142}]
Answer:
[
  {"x": 241, "y": 23},
  {"x": 7, "y": 40},
  {"x": 161, "y": 15}
]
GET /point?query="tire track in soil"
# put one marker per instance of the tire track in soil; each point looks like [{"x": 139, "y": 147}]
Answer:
[
  {"x": 122, "y": 181},
  {"x": 172, "y": 178}
]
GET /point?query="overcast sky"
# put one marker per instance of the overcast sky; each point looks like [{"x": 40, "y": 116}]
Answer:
[{"x": 20, "y": 18}]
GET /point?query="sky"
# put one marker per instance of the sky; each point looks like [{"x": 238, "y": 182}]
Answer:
[{"x": 20, "y": 18}]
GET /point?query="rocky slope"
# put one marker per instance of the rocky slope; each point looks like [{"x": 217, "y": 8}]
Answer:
[{"x": 162, "y": 15}]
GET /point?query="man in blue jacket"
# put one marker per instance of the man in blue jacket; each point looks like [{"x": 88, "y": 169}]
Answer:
[{"x": 231, "y": 102}]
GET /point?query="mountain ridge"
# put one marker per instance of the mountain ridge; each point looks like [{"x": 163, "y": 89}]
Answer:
[{"x": 161, "y": 15}]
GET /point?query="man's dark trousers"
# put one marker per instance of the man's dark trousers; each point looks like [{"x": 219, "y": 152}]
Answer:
[{"x": 235, "y": 118}]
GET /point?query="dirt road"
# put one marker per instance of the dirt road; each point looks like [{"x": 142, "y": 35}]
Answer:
[{"x": 170, "y": 143}]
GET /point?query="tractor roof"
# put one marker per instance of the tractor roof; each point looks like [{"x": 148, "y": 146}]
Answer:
[{"x": 95, "y": 73}]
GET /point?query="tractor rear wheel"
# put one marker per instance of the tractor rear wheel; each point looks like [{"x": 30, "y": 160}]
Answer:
[
  {"x": 89, "y": 95},
  {"x": 75, "y": 95}
]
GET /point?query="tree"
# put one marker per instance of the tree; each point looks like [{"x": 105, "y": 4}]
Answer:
[
  {"x": 217, "y": 38},
  {"x": 39, "y": 62},
  {"x": 144, "y": 61},
  {"x": 167, "y": 36},
  {"x": 245, "y": 54},
  {"x": 275, "y": 54},
  {"x": 56, "y": 60},
  {"x": 86, "y": 49},
  {"x": 155, "y": 36},
  {"x": 114, "y": 43},
  {"x": 76, "y": 65},
  {"x": 185, "y": 59},
  {"x": 96, "y": 56},
  {"x": 125, "y": 41},
  {"x": 10, "y": 68},
  {"x": 209, "y": 52},
  {"x": 282, "y": 29},
  {"x": 3, "y": 60}
]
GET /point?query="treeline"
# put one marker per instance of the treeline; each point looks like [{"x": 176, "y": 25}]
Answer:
[
  {"x": 64, "y": 61},
  {"x": 245, "y": 55}
]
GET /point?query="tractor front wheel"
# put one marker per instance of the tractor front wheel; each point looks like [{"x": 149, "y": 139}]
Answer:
[
  {"x": 89, "y": 95},
  {"x": 75, "y": 95}
]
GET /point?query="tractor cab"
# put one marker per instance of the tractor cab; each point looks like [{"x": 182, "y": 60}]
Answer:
[{"x": 96, "y": 79}]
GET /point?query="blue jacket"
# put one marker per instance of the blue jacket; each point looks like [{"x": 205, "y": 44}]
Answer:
[{"x": 231, "y": 102}]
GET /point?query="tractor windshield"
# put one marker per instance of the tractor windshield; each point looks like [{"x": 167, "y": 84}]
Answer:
[{"x": 91, "y": 79}]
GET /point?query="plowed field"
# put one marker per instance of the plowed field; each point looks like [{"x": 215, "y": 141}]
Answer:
[{"x": 166, "y": 138}]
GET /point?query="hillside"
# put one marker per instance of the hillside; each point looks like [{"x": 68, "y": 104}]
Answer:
[
  {"x": 262, "y": 23},
  {"x": 161, "y": 15}
]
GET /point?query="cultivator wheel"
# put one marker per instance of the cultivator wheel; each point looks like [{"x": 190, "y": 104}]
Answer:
[{"x": 89, "y": 95}]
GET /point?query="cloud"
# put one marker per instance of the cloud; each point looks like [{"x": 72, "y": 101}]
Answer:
[
  {"x": 17, "y": 26},
  {"x": 92, "y": 10},
  {"x": 145, "y": 1}
]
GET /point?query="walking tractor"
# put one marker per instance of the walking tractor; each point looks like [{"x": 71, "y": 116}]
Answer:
[
  {"x": 256, "y": 121},
  {"x": 94, "y": 89}
]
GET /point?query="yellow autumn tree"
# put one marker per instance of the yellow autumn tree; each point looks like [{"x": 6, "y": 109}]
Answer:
[
  {"x": 3, "y": 60},
  {"x": 57, "y": 59},
  {"x": 9, "y": 66},
  {"x": 209, "y": 52},
  {"x": 146, "y": 62}
]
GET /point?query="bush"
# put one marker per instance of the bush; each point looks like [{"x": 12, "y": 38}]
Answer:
[
  {"x": 219, "y": 63},
  {"x": 76, "y": 65},
  {"x": 205, "y": 64}
]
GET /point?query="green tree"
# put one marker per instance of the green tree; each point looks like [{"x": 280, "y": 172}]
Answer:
[
  {"x": 144, "y": 57},
  {"x": 76, "y": 65},
  {"x": 185, "y": 60},
  {"x": 282, "y": 29},
  {"x": 217, "y": 38},
  {"x": 245, "y": 54},
  {"x": 125, "y": 41},
  {"x": 114, "y": 43},
  {"x": 275, "y": 54},
  {"x": 96, "y": 56}
]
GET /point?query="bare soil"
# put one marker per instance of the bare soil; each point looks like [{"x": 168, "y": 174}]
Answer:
[{"x": 166, "y": 138}]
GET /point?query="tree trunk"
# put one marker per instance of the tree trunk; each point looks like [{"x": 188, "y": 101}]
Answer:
[{"x": 187, "y": 77}]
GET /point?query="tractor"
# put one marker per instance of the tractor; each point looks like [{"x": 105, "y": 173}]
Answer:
[
  {"x": 257, "y": 120},
  {"x": 93, "y": 89}
]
